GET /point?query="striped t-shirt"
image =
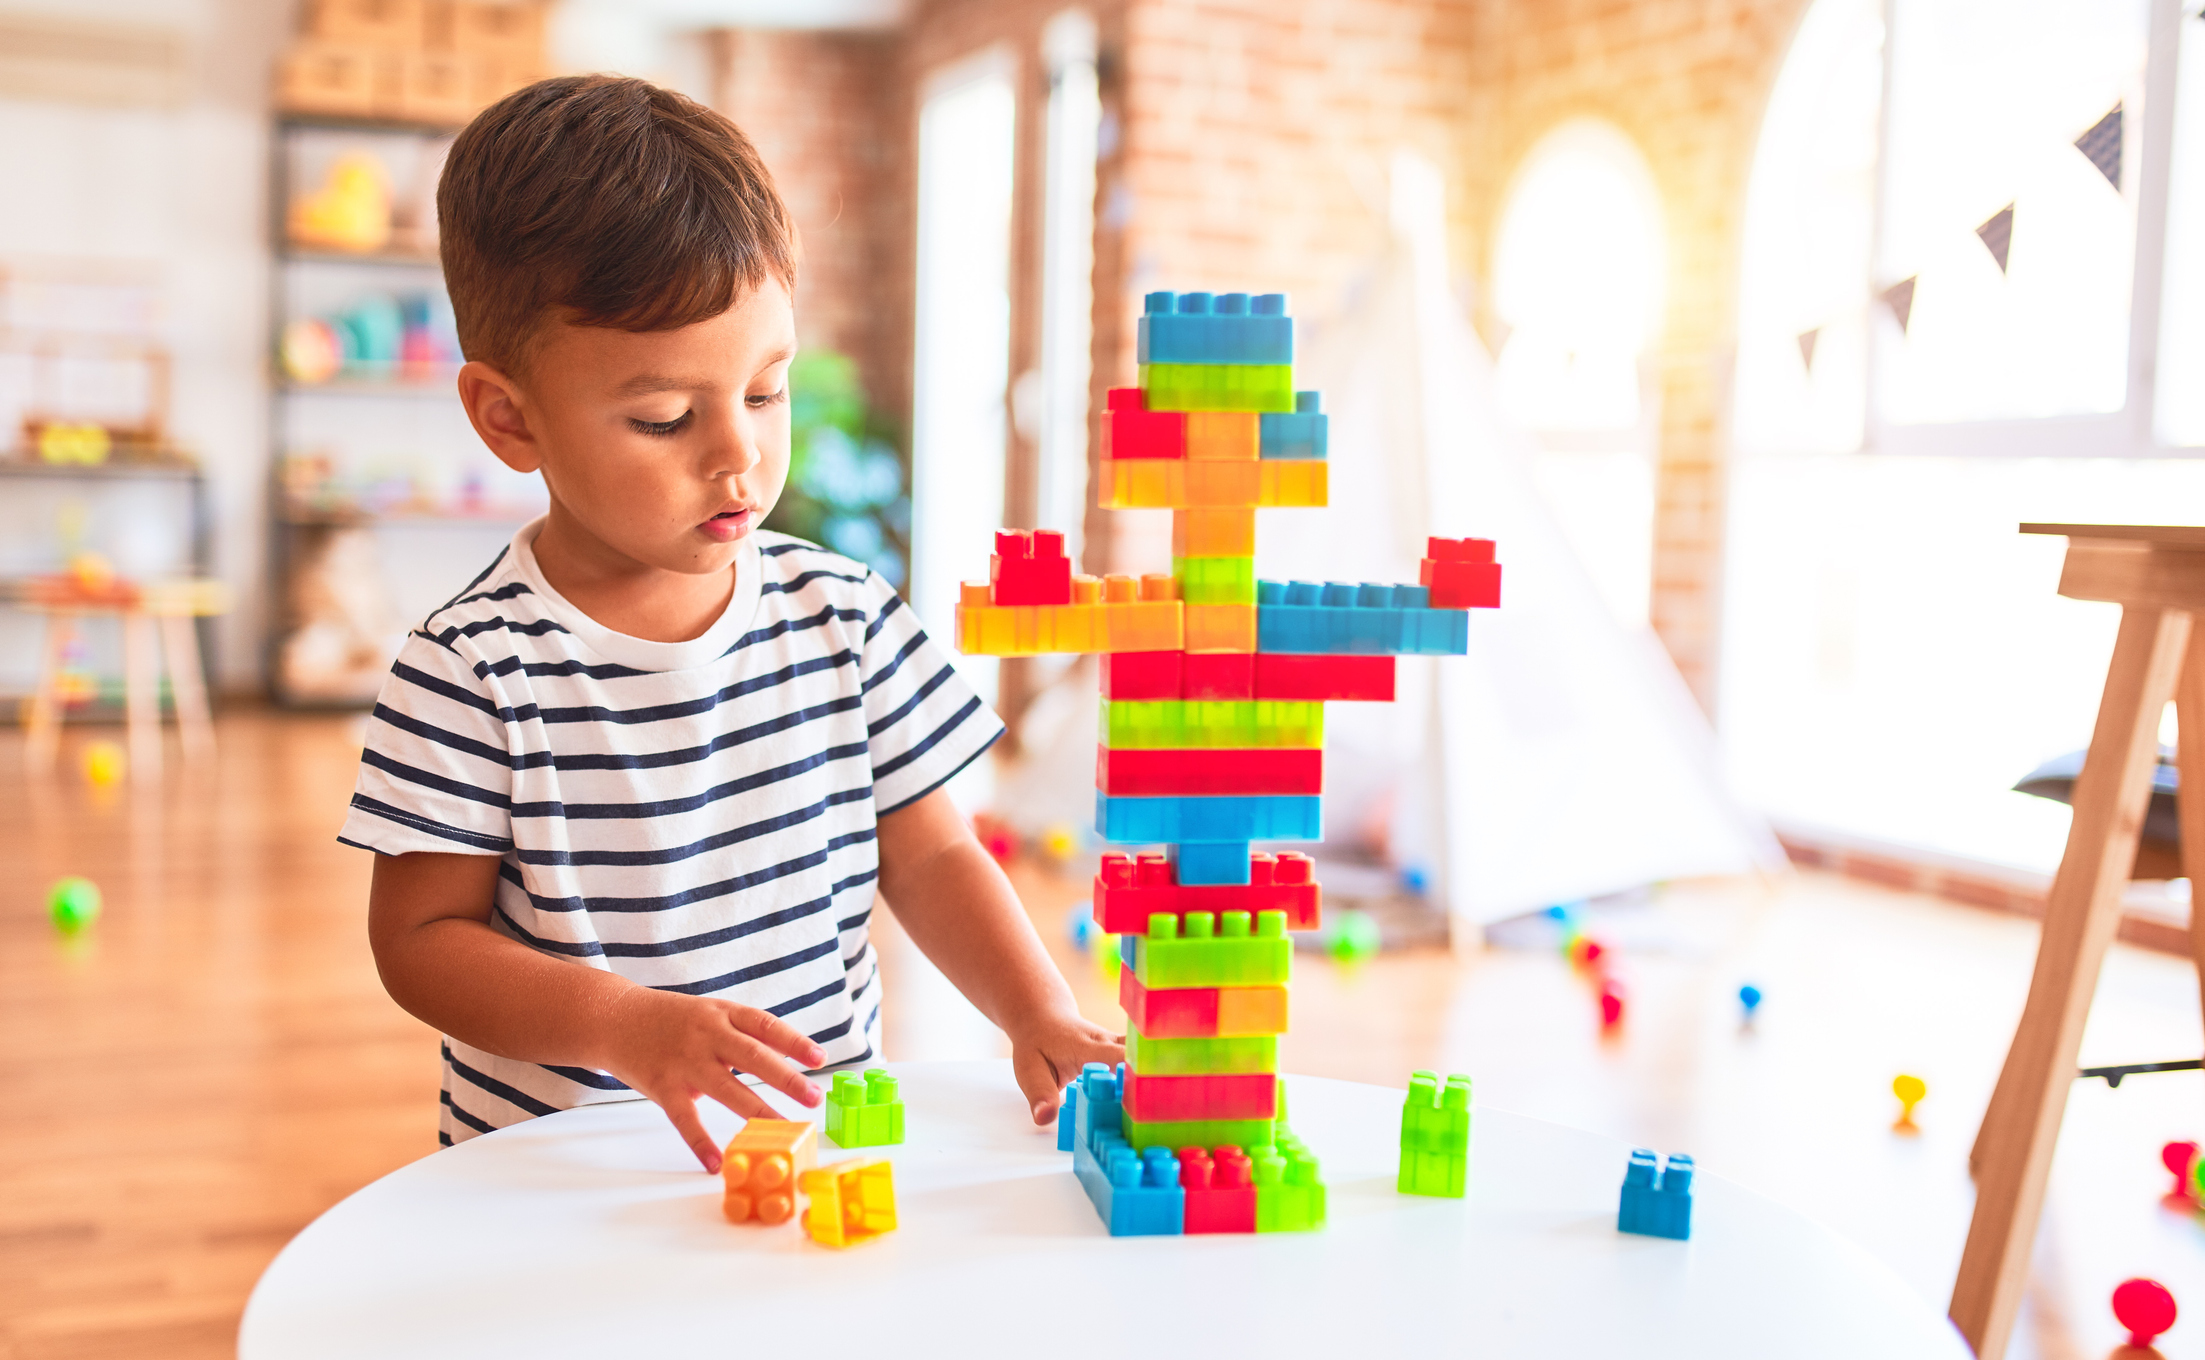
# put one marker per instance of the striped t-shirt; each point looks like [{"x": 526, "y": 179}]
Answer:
[{"x": 694, "y": 816}]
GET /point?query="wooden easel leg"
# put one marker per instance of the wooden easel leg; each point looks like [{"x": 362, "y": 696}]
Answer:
[
  {"x": 141, "y": 697},
  {"x": 187, "y": 682},
  {"x": 42, "y": 723},
  {"x": 2079, "y": 921},
  {"x": 2189, "y": 708}
]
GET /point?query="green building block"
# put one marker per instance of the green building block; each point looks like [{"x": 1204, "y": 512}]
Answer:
[
  {"x": 1248, "y": 1134},
  {"x": 1211, "y": 724},
  {"x": 864, "y": 1112},
  {"x": 1202, "y": 950},
  {"x": 1197, "y": 1057},
  {"x": 1290, "y": 1194},
  {"x": 1218, "y": 387},
  {"x": 1216, "y": 580},
  {"x": 1435, "y": 1136}
]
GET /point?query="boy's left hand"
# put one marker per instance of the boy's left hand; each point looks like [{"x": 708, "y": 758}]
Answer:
[{"x": 1046, "y": 1055}]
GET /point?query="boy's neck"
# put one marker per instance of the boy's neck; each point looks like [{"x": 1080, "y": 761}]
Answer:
[{"x": 625, "y": 595}]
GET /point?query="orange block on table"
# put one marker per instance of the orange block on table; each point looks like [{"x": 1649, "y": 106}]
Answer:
[{"x": 761, "y": 1166}]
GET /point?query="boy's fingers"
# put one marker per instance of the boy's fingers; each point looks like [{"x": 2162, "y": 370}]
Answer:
[
  {"x": 1037, "y": 1079},
  {"x": 730, "y": 1091},
  {"x": 748, "y": 1055},
  {"x": 781, "y": 1036},
  {"x": 683, "y": 1112}
]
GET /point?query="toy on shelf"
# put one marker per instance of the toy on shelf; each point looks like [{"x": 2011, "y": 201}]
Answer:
[
  {"x": 2179, "y": 1158},
  {"x": 349, "y": 212},
  {"x": 849, "y": 1202},
  {"x": 73, "y": 904},
  {"x": 1435, "y": 1136},
  {"x": 1910, "y": 1090},
  {"x": 761, "y": 1167},
  {"x": 1657, "y": 1199},
  {"x": 2145, "y": 1307},
  {"x": 864, "y": 1111},
  {"x": 1213, "y": 687}
]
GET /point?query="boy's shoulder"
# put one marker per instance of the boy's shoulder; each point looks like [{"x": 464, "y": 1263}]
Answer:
[
  {"x": 497, "y": 602},
  {"x": 799, "y": 568}
]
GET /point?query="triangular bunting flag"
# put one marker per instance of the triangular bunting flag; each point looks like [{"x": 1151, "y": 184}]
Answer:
[
  {"x": 1998, "y": 235},
  {"x": 1899, "y": 297},
  {"x": 2102, "y": 144},
  {"x": 1807, "y": 347}
]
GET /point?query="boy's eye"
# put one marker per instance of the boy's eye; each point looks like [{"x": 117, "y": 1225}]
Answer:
[
  {"x": 758, "y": 402},
  {"x": 660, "y": 428}
]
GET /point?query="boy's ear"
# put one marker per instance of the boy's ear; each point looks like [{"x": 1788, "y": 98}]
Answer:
[{"x": 499, "y": 414}]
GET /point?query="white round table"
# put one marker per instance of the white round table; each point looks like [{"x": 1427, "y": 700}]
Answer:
[{"x": 592, "y": 1233}]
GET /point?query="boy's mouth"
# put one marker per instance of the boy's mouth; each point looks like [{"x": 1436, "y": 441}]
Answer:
[{"x": 728, "y": 525}]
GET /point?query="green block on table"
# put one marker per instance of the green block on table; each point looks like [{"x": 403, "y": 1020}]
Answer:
[
  {"x": 1218, "y": 387},
  {"x": 1198, "y": 1057},
  {"x": 1200, "y": 949},
  {"x": 1211, "y": 724},
  {"x": 1435, "y": 1136},
  {"x": 1290, "y": 1194},
  {"x": 1245, "y": 1134},
  {"x": 1216, "y": 580},
  {"x": 864, "y": 1112}
]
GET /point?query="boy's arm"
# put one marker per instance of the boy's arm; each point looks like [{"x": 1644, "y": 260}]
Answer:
[
  {"x": 429, "y": 925},
  {"x": 953, "y": 899}
]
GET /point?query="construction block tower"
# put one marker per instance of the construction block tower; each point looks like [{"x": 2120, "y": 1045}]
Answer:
[{"x": 1212, "y": 738}]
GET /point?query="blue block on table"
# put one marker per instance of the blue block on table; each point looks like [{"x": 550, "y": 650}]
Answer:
[
  {"x": 1136, "y": 1193},
  {"x": 1303, "y": 432},
  {"x": 1657, "y": 1201},
  {"x": 1225, "y": 328},
  {"x": 1343, "y": 618},
  {"x": 1236, "y": 820},
  {"x": 1211, "y": 864}
]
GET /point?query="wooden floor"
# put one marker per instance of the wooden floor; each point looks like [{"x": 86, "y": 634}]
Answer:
[{"x": 192, "y": 1081}]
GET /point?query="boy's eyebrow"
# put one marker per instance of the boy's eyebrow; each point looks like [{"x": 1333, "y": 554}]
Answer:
[{"x": 648, "y": 384}]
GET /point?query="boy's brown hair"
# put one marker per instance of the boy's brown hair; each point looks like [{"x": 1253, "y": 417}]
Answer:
[{"x": 602, "y": 201}]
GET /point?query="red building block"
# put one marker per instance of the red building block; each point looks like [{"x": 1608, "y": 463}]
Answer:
[
  {"x": 1284, "y": 675},
  {"x": 1129, "y": 890},
  {"x": 1220, "y": 1190},
  {"x": 1143, "y": 675},
  {"x": 1029, "y": 568},
  {"x": 1240, "y": 1095},
  {"x": 1219, "y": 773},
  {"x": 1461, "y": 573},
  {"x": 1201, "y": 1012},
  {"x": 1220, "y": 675},
  {"x": 1130, "y": 431}
]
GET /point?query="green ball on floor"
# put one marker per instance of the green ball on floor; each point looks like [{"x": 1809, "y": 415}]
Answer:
[{"x": 74, "y": 904}]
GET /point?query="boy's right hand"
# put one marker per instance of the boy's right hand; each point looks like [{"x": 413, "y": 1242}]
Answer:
[{"x": 674, "y": 1048}]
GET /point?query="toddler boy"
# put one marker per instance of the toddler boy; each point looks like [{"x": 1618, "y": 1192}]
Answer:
[{"x": 632, "y": 790}]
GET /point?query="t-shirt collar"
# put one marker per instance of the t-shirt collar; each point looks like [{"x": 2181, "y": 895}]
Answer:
[{"x": 640, "y": 653}]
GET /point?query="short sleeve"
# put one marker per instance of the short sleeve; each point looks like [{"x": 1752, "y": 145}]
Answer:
[
  {"x": 437, "y": 771},
  {"x": 923, "y": 722}
]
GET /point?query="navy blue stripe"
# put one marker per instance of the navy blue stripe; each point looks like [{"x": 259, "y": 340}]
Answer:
[
  {"x": 516, "y": 1098},
  {"x": 689, "y": 943},
  {"x": 756, "y": 971},
  {"x": 398, "y": 769},
  {"x": 952, "y": 723},
  {"x": 582, "y": 1076},
  {"x": 670, "y": 807},
  {"x": 478, "y": 1125},
  {"x": 805, "y": 578},
  {"x": 917, "y": 697},
  {"x": 445, "y": 689},
  {"x": 511, "y": 590},
  {"x": 782, "y": 627},
  {"x": 794, "y": 544},
  {"x": 895, "y": 603},
  {"x": 895, "y": 663},
  {"x": 811, "y": 998},
  {"x": 690, "y": 708},
  {"x": 485, "y": 574},
  {"x": 496, "y": 755},
  {"x": 414, "y": 821},
  {"x": 500, "y": 624},
  {"x": 572, "y": 949},
  {"x": 485, "y": 669},
  {"x": 443, "y": 1139},
  {"x": 903, "y": 803},
  {"x": 692, "y": 896}
]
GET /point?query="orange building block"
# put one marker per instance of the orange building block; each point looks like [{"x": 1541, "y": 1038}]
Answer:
[
  {"x": 1110, "y": 614},
  {"x": 1213, "y": 533},
  {"x": 1219, "y": 628},
  {"x": 1293, "y": 482},
  {"x": 1224, "y": 436},
  {"x": 1186, "y": 484},
  {"x": 762, "y": 1167},
  {"x": 849, "y": 1202}
]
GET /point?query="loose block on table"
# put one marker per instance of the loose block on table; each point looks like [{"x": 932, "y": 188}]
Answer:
[
  {"x": 1217, "y": 387},
  {"x": 1201, "y": 1012},
  {"x": 760, "y": 1167},
  {"x": 1226, "y": 532},
  {"x": 1131, "y": 431},
  {"x": 1161, "y": 1057},
  {"x": 1303, "y": 432},
  {"x": 1435, "y": 1136},
  {"x": 1237, "y": 818},
  {"x": 1129, "y": 890},
  {"x": 1159, "y": 774},
  {"x": 864, "y": 1111},
  {"x": 851, "y": 1201},
  {"x": 1198, "y": 950},
  {"x": 1229, "y": 328},
  {"x": 1344, "y": 618},
  {"x": 1162, "y": 1100},
  {"x": 1289, "y": 675},
  {"x": 1130, "y": 724},
  {"x": 1657, "y": 1200}
]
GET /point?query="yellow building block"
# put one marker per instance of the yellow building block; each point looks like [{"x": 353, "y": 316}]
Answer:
[
  {"x": 1176, "y": 483},
  {"x": 1293, "y": 482},
  {"x": 1224, "y": 436},
  {"x": 849, "y": 1202},
  {"x": 1119, "y": 614},
  {"x": 1213, "y": 533},
  {"x": 1220, "y": 628},
  {"x": 762, "y": 1166}
]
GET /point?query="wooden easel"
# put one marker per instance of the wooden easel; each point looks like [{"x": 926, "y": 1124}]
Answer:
[{"x": 2157, "y": 575}]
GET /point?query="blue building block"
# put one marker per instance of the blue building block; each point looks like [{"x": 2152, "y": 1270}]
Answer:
[
  {"x": 1657, "y": 1202},
  {"x": 1136, "y": 1193},
  {"x": 1303, "y": 432},
  {"x": 1211, "y": 864},
  {"x": 1229, "y": 328},
  {"x": 1181, "y": 820},
  {"x": 1342, "y": 618},
  {"x": 1068, "y": 1114}
]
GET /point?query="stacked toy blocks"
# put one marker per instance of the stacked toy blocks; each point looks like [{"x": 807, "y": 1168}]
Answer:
[
  {"x": 1435, "y": 1136},
  {"x": 864, "y": 1111},
  {"x": 761, "y": 1168},
  {"x": 1657, "y": 1199},
  {"x": 1211, "y": 740}
]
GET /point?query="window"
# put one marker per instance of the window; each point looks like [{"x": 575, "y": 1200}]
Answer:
[{"x": 1068, "y": 267}]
